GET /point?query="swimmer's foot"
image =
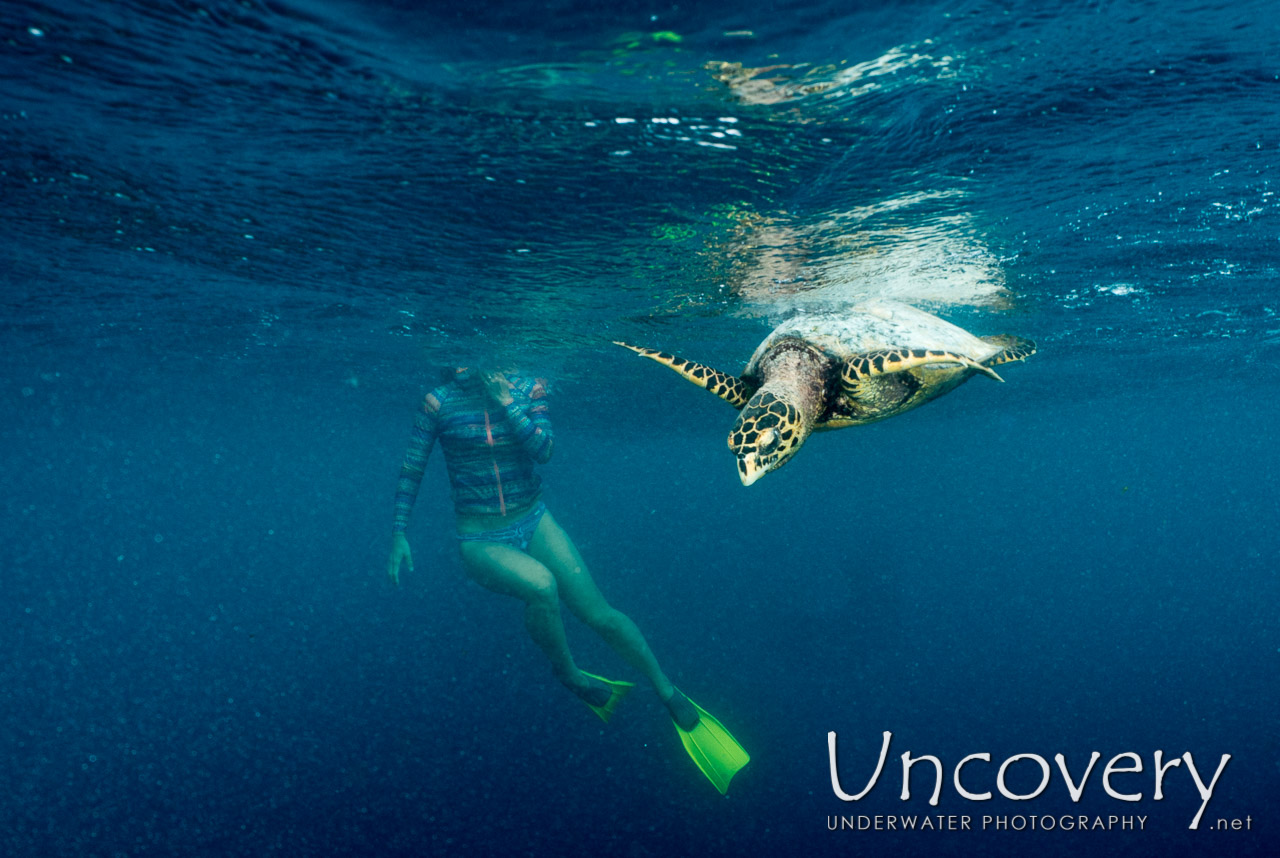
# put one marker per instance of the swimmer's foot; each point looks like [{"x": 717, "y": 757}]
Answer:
[
  {"x": 682, "y": 710},
  {"x": 602, "y": 695}
]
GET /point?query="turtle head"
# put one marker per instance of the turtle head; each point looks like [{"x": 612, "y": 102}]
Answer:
[{"x": 767, "y": 434}]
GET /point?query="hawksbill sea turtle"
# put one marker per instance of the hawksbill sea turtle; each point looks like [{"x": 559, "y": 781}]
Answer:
[{"x": 833, "y": 369}]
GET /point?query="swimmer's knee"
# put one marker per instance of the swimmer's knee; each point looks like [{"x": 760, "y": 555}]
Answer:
[
  {"x": 605, "y": 619},
  {"x": 542, "y": 590},
  {"x": 530, "y": 582}
]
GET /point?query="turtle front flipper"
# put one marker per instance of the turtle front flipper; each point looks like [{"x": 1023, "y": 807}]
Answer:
[
  {"x": 861, "y": 369},
  {"x": 732, "y": 390},
  {"x": 1012, "y": 348}
]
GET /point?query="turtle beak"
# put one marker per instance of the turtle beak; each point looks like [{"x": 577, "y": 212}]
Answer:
[{"x": 750, "y": 468}]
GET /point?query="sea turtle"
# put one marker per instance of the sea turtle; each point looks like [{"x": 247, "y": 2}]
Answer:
[{"x": 829, "y": 370}]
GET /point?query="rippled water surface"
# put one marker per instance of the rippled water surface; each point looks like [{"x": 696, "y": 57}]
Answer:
[{"x": 363, "y": 172}]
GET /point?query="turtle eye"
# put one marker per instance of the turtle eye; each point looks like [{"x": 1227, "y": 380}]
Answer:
[{"x": 768, "y": 440}]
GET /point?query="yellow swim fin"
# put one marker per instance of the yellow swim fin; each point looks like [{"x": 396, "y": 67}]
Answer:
[
  {"x": 617, "y": 690},
  {"x": 711, "y": 747}
]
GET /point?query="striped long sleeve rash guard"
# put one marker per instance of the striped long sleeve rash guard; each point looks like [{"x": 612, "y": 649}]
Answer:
[{"x": 489, "y": 451}]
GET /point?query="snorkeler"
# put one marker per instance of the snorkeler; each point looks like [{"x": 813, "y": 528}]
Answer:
[{"x": 493, "y": 430}]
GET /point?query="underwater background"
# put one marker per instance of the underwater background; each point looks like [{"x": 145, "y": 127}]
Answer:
[{"x": 240, "y": 238}]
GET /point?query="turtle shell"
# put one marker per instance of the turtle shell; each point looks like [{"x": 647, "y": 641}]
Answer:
[{"x": 872, "y": 327}]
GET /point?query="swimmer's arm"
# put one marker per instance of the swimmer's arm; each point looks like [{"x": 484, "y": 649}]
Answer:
[
  {"x": 400, "y": 553},
  {"x": 421, "y": 440},
  {"x": 529, "y": 417}
]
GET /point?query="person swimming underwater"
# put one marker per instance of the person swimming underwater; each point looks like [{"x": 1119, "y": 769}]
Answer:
[{"x": 494, "y": 430}]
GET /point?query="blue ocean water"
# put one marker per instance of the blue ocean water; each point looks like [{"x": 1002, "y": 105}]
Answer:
[{"x": 239, "y": 238}]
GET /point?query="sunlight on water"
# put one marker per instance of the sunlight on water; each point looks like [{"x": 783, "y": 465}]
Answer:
[
  {"x": 930, "y": 260},
  {"x": 830, "y": 82}
]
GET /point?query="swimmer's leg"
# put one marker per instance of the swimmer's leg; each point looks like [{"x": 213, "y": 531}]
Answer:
[
  {"x": 557, "y": 553},
  {"x": 511, "y": 572}
]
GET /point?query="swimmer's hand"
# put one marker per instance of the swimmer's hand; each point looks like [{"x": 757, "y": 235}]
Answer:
[
  {"x": 399, "y": 553},
  {"x": 497, "y": 388}
]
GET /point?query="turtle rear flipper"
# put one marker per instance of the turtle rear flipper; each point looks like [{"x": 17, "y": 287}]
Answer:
[
  {"x": 1012, "y": 348},
  {"x": 732, "y": 390}
]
